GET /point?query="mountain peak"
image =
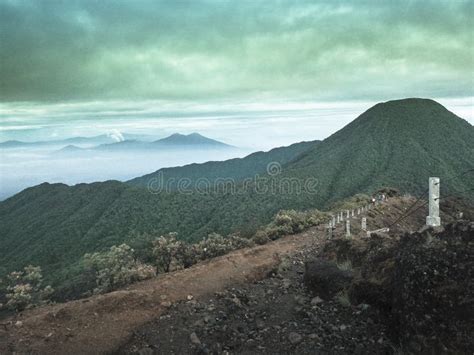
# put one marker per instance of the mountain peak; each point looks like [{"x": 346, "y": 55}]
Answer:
[
  {"x": 409, "y": 104},
  {"x": 194, "y": 139},
  {"x": 411, "y": 115}
]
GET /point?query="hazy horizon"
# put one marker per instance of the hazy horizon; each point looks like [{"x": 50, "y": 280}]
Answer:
[{"x": 250, "y": 125}]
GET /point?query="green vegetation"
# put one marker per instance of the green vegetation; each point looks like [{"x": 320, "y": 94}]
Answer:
[
  {"x": 116, "y": 268},
  {"x": 398, "y": 143},
  {"x": 24, "y": 289}
]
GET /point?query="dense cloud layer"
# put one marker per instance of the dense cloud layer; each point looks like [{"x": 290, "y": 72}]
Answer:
[{"x": 82, "y": 50}]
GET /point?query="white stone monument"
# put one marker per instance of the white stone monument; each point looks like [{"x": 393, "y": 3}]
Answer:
[{"x": 433, "y": 219}]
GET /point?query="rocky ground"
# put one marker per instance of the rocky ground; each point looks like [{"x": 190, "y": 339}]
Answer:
[
  {"x": 387, "y": 293},
  {"x": 277, "y": 315}
]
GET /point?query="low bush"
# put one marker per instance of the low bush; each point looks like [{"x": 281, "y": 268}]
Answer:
[
  {"x": 351, "y": 203},
  {"x": 290, "y": 222},
  {"x": 214, "y": 245},
  {"x": 116, "y": 267},
  {"x": 172, "y": 254},
  {"x": 261, "y": 237},
  {"x": 24, "y": 289}
]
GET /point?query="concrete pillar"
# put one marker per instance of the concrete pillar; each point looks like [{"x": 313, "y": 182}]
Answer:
[
  {"x": 352, "y": 213},
  {"x": 329, "y": 230},
  {"x": 333, "y": 221},
  {"x": 433, "y": 219},
  {"x": 348, "y": 214},
  {"x": 364, "y": 223},
  {"x": 337, "y": 219},
  {"x": 348, "y": 228},
  {"x": 358, "y": 211}
]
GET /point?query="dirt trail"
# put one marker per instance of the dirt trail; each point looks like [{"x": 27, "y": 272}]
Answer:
[{"x": 102, "y": 323}]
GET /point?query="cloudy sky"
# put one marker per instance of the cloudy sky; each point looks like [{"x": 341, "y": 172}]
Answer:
[{"x": 84, "y": 67}]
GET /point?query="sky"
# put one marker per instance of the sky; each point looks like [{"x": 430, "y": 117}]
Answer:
[{"x": 283, "y": 70}]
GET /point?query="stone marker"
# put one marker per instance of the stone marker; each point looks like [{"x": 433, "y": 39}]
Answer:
[
  {"x": 348, "y": 228},
  {"x": 364, "y": 223},
  {"x": 433, "y": 219}
]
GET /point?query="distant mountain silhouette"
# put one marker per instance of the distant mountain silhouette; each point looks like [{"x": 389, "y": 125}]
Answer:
[
  {"x": 70, "y": 149},
  {"x": 89, "y": 141},
  {"x": 175, "y": 141},
  {"x": 194, "y": 139}
]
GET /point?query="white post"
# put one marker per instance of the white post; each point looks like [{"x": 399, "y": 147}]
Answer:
[
  {"x": 364, "y": 223},
  {"x": 337, "y": 219},
  {"x": 333, "y": 221},
  {"x": 352, "y": 212},
  {"x": 358, "y": 211},
  {"x": 330, "y": 230},
  {"x": 433, "y": 219},
  {"x": 348, "y": 228},
  {"x": 348, "y": 214}
]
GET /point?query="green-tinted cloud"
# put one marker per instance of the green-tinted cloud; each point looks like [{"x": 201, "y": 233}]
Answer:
[{"x": 82, "y": 50}]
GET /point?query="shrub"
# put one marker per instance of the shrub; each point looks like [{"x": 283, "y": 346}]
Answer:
[
  {"x": 296, "y": 222},
  {"x": 24, "y": 289},
  {"x": 172, "y": 254},
  {"x": 214, "y": 245},
  {"x": 290, "y": 222},
  {"x": 239, "y": 242},
  {"x": 275, "y": 232},
  {"x": 345, "y": 265},
  {"x": 261, "y": 237},
  {"x": 117, "y": 267}
]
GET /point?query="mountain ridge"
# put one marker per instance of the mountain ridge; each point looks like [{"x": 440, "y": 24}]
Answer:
[{"x": 236, "y": 169}]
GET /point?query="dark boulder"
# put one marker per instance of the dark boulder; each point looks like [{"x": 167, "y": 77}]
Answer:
[{"x": 325, "y": 279}]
